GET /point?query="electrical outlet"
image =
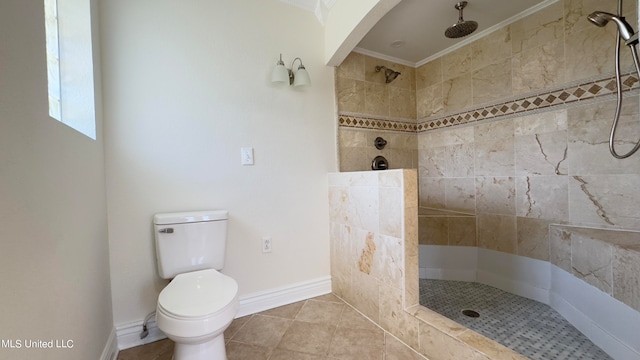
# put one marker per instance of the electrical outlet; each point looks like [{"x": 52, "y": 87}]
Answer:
[{"x": 266, "y": 244}]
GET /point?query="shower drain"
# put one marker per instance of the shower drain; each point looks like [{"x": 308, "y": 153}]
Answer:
[{"x": 470, "y": 313}]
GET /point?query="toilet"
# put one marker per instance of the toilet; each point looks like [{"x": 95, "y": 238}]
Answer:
[{"x": 200, "y": 302}]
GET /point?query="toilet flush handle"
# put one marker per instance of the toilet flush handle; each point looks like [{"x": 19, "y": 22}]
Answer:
[{"x": 166, "y": 231}]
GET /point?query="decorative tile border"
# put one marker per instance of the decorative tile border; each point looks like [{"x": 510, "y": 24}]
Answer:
[
  {"x": 354, "y": 121},
  {"x": 556, "y": 97}
]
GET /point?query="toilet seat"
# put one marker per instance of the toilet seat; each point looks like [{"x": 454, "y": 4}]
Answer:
[{"x": 198, "y": 294}]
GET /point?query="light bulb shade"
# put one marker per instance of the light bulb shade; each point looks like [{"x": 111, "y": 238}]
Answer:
[
  {"x": 301, "y": 77},
  {"x": 280, "y": 74}
]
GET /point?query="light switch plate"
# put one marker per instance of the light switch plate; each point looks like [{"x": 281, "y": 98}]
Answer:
[{"x": 247, "y": 155}]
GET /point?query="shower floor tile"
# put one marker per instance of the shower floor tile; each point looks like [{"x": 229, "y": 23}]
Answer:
[{"x": 531, "y": 328}]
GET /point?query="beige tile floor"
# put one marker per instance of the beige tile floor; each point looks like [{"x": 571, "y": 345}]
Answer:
[{"x": 322, "y": 328}]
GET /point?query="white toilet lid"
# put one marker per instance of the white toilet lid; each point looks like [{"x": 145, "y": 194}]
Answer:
[{"x": 198, "y": 293}]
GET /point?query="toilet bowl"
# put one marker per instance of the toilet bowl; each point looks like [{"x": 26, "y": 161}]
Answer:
[
  {"x": 200, "y": 302},
  {"x": 194, "y": 310}
]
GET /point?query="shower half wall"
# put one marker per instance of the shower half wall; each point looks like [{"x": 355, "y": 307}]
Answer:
[{"x": 374, "y": 267}]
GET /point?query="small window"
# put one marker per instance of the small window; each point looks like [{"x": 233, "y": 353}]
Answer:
[{"x": 70, "y": 64}]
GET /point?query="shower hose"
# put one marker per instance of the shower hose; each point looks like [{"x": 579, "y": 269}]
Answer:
[{"x": 616, "y": 118}]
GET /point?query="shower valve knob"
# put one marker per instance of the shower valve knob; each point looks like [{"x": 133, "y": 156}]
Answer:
[{"x": 380, "y": 143}]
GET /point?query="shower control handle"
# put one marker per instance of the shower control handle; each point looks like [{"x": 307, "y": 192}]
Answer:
[{"x": 380, "y": 143}]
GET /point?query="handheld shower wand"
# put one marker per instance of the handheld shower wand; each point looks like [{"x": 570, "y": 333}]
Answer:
[
  {"x": 601, "y": 18},
  {"x": 625, "y": 31}
]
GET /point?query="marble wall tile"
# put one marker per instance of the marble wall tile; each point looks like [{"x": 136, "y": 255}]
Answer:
[
  {"x": 576, "y": 12},
  {"x": 407, "y": 78},
  {"x": 459, "y": 160},
  {"x": 605, "y": 258},
  {"x": 410, "y": 201},
  {"x": 605, "y": 200},
  {"x": 339, "y": 199},
  {"x": 542, "y": 197},
  {"x": 432, "y": 192},
  {"x": 457, "y": 93},
  {"x": 437, "y": 345},
  {"x": 353, "y": 138},
  {"x": 579, "y": 30},
  {"x": 362, "y": 90},
  {"x": 626, "y": 275},
  {"x": 496, "y": 195},
  {"x": 497, "y": 232},
  {"x": 352, "y": 67},
  {"x": 560, "y": 247},
  {"x": 438, "y": 321},
  {"x": 542, "y": 154},
  {"x": 394, "y": 319},
  {"x": 538, "y": 68},
  {"x": 391, "y": 179},
  {"x": 533, "y": 238},
  {"x": 357, "y": 151},
  {"x": 382, "y": 271},
  {"x": 491, "y": 49},
  {"x": 433, "y": 230},
  {"x": 495, "y": 158},
  {"x": 429, "y": 74},
  {"x": 364, "y": 295},
  {"x": 492, "y": 82},
  {"x": 460, "y": 194},
  {"x": 340, "y": 260},
  {"x": 402, "y": 103},
  {"x": 351, "y": 159},
  {"x": 591, "y": 261},
  {"x": 462, "y": 231},
  {"x": 456, "y": 63},
  {"x": 429, "y": 101},
  {"x": 432, "y": 162},
  {"x": 540, "y": 123},
  {"x": 376, "y": 100},
  {"x": 495, "y": 130},
  {"x": 350, "y": 95},
  {"x": 538, "y": 29},
  {"x": 493, "y": 350},
  {"x": 580, "y": 62},
  {"x": 451, "y": 136},
  {"x": 389, "y": 262},
  {"x": 363, "y": 209},
  {"x": 588, "y": 137},
  {"x": 411, "y": 260},
  {"x": 391, "y": 211}
]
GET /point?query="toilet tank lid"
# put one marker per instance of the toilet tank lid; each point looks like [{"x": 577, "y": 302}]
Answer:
[{"x": 190, "y": 216}]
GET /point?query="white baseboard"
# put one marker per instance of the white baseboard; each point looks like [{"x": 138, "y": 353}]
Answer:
[
  {"x": 129, "y": 334},
  {"x": 269, "y": 299},
  {"x": 110, "y": 351}
]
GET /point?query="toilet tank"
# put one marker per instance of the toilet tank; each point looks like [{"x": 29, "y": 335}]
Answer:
[{"x": 190, "y": 241}]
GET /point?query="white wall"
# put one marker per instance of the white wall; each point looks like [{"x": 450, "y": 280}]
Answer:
[
  {"x": 54, "y": 267},
  {"x": 348, "y": 22},
  {"x": 186, "y": 85}
]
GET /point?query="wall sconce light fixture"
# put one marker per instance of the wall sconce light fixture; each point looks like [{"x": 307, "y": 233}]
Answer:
[{"x": 281, "y": 74}]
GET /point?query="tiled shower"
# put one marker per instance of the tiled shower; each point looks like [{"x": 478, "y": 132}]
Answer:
[{"x": 509, "y": 133}]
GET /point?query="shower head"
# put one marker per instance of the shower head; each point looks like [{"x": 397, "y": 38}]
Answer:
[
  {"x": 462, "y": 27},
  {"x": 601, "y": 18},
  {"x": 389, "y": 74}
]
